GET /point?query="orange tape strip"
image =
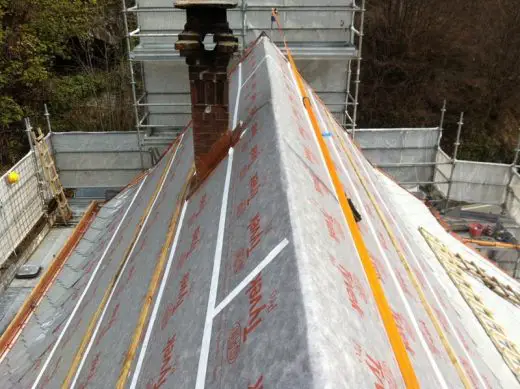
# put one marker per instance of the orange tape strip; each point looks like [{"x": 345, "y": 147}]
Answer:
[
  {"x": 396, "y": 341},
  {"x": 97, "y": 314},
  {"x": 30, "y": 304},
  {"x": 154, "y": 285}
]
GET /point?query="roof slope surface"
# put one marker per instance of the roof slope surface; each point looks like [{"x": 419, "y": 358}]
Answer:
[{"x": 256, "y": 280}]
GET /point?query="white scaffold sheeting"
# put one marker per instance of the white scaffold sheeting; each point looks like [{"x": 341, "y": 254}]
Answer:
[
  {"x": 318, "y": 31},
  {"x": 442, "y": 171},
  {"x": 406, "y": 154},
  {"x": 480, "y": 182},
  {"x": 473, "y": 182},
  {"x": 513, "y": 199}
]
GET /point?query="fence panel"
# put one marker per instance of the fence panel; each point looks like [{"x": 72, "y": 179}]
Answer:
[{"x": 21, "y": 205}]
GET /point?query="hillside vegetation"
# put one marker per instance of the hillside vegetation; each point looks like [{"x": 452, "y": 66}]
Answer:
[
  {"x": 70, "y": 54},
  {"x": 419, "y": 52}
]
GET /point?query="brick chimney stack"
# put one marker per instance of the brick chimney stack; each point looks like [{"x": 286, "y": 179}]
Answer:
[{"x": 207, "y": 71}]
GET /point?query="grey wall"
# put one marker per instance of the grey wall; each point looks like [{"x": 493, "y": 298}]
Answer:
[{"x": 97, "y": 159}]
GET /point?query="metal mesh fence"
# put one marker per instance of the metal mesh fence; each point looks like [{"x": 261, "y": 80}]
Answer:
[{"x": 21, "y": 205}]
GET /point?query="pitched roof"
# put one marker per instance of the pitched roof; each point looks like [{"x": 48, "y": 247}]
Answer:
[{"x": 257, "y": 279}]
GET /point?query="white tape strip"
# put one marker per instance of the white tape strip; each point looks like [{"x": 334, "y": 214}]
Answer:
[
  {"x": 112, "y": 292},
  {"x": 151, "y": 322},
  {"x": 208, "y": 326},
  {"x": 87, "y": 287},
  {"x": 239, "y": 90},
  {"x": 382, "y": 252},
  {"x": 251, "y": 276}
]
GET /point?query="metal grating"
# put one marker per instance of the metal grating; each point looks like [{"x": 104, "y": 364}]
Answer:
[{"x": 21, "y": 205}]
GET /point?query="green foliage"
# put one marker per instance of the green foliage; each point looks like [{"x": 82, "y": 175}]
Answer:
[
  {"x": 417, "y": 53},
  {"x": 68, "y": 90},
  {"x": 50, "y": 54},
  {"x": 34, "y": 33},
  {"x": 10, "y": 111},
  {"x": 92, "y": 101}
]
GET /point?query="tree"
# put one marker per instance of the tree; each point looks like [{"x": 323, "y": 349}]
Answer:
[
  {"x": 34, "y": 33},
  {"x": 68, "y": 54},
  {"x": 419, "y": 52}
]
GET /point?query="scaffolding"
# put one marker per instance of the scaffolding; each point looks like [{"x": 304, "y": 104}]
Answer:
[
  {"x": 325, "y": 39},
  {"x": 351, "y": 100},
  {"x": 107, "y": 161}
]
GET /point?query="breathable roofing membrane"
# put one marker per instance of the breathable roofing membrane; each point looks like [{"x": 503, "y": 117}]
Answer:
[{"x": 256, "y": 280}]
